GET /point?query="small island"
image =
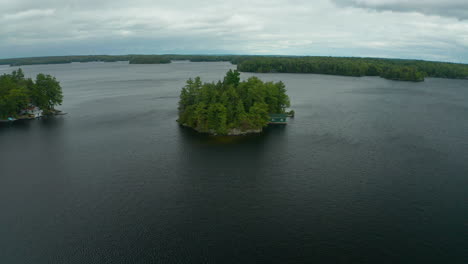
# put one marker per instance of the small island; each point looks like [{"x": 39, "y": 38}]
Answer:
[
  {"x": 231, "y": 107},
  {"x": 24, "y": 98}
]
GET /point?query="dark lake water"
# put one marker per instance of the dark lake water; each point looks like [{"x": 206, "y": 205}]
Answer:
[{"x": 369, "y": 171}]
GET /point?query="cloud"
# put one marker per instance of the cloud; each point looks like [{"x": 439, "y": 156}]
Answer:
[
  {"x": 29, "y": 14},
  {"x": 446, "y": 8},
  {"x": 294, "y": 27}
]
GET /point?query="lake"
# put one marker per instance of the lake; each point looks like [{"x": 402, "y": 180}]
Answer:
[{"x": 369, "y": 171}]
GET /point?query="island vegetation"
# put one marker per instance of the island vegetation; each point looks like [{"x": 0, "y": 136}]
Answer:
[
  {"x": 231, "y": 107},
  {"x": 393, "y": 69},
  {"x": 18, "y": 94}
]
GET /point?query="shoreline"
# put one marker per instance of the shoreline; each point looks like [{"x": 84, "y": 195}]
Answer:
[
  {"x": 231, "y": 132},
  {"x": 52, "y": 113}
]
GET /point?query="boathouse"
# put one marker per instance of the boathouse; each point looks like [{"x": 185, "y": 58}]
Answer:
[
  {"x": 278, "y": 119},
  {"x": 32, "y": 111}
]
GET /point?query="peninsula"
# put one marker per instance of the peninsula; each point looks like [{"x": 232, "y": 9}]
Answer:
[
  {"x": 24, "y": 98},
  {"x": 231, "y": 107}
]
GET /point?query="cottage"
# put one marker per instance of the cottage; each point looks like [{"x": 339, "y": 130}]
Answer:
[
  {"x": 32, "y": 111},
  {"x": 278, "y": 119}
]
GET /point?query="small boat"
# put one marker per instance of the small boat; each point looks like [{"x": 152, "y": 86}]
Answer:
[{"x": 9, "y": 119}]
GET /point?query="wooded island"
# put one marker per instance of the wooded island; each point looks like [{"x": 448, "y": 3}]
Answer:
[
  {"x": 231, "y": 107},
  {"x": 22, "y": 97}
]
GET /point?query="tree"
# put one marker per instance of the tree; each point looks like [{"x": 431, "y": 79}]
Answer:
[
  {"x": 17, "y": 99},
  {"x": 47, "y": 92},
  {"x": 258, "y": 115},
  {"x": 18, "y": 75},
  {"x": 232, "y": 78},
  {"x": 14, "y": 95},
  {"x": 217, "y": 117}
]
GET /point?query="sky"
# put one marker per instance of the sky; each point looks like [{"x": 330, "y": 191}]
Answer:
[{"x": 423, "y": 29}]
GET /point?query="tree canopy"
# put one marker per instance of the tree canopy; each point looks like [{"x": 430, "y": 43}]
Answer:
[
  {"x": 394, "y": 69},
  {"x": 230, "y": 104},
  {"x": 18, "y": 92}
]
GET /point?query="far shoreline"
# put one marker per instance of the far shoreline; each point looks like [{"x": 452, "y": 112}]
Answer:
[{"x": 388, "y": 68}]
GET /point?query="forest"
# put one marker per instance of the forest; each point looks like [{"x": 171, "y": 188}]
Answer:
[
  {"x": 149, "y": 59},
  {"x": 62, "y": 59},
  {"x": 224, "y": 106},
  {"x": 18, "y": 92},
  {"x": 132, "y": 59},
  {"x": 393, "y": 69}
]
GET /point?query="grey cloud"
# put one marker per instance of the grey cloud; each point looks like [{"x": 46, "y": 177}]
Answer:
[
  {"x": 294, "y": 27},
  {"x": 29, "y": 14},
  {"x": 445, "y": 8}
]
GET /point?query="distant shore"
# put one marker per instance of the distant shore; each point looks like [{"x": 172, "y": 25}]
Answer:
[{"x": 392, "y": 69}]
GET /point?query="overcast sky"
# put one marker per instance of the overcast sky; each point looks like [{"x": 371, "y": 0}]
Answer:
[{"x": 423, "y": 29}]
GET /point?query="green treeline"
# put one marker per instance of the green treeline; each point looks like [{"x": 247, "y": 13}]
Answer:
[
  {"x": 193, "y": 58},
  {"x": 132, "y": 59},
  {"x": 230, "y": 104},
  {"x": 156, "y": 59},
  {"x": 394, "y": 69},
  {"x": 18, "y": 93},
  {"x": 62, "y": 59},
  {"x": 149, "y": 59}
]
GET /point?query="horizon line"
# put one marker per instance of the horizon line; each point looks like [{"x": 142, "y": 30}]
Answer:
[{"x": 232, "y": 54}]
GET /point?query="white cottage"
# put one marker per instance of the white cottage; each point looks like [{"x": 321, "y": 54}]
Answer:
[{"x": 32, "y": 111}]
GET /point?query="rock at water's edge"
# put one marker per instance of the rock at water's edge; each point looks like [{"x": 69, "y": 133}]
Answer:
[
  {"x": 238, "y": 132},
  {"x": 231, "y": 132}
]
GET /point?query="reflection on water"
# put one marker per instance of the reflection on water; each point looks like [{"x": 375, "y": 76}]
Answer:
[
  {"x": 44, "y": 122},
  {"x": 52, "y": 122},
  {"x": 192, "y": 137}
]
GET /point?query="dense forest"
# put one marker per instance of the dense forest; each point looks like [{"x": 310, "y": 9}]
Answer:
[
  {"x": 224, "y": 106},
  {"x": 18, "y": 93},
  {"x": 156, "y": 59},
  {"x": 393, "y": 69},
  {"x": 149, "y": 60},
  {"x": 62, "y": 59},
  {"x": 132, "y": 59}
]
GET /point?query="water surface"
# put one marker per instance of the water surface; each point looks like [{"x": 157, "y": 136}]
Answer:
[{"x": 369, "y": 171}]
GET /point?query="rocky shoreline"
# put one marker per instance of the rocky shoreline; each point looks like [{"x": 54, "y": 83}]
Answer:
[
  {"x": 239, "y": 132},
  {"x": 231, "y": 132}
]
